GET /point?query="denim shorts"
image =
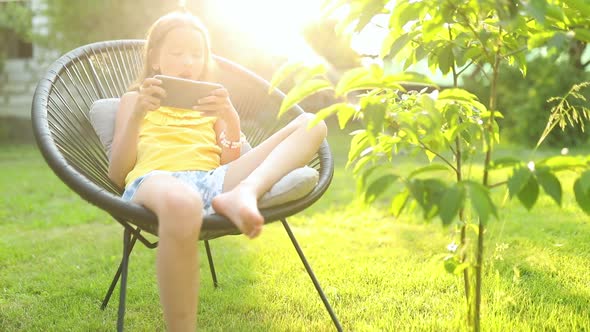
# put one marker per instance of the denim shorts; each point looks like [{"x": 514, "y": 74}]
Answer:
[{"x": 207, "y": 183}]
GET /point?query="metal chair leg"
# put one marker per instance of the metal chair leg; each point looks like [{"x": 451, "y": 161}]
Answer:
[
  {"x": 107, "y": 297},
  {"x": 123, "y": 285},
  {"x": 211, "y": 267},
  {"x": 312, "y": 276}
]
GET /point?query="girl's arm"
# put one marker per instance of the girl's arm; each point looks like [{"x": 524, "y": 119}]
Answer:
[
  {"x": 132, "y": 109},
  {"x": 232, "y": 133},
  {"x": 227, "y": 126}
]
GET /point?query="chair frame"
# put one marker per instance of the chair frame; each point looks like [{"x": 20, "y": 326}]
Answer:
[{"x": 84, "y": 170}]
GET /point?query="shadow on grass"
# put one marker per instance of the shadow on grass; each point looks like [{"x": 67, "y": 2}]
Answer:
[{"x": 543, "y": 300}]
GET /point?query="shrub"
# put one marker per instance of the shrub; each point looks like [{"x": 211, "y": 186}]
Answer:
[{"x": 523, "y": 100}]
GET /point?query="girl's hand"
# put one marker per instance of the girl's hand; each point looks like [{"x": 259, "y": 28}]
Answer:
[
  {"x": 150, "y": 94},
  {"x": 218, "y": 105}
]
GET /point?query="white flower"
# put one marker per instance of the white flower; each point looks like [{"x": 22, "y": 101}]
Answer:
[
  {"x": 531, "y": 166},
  {"x": 433, "y": 95},
  {"x": 452, "y": 247},
  {"x": 565, "y": 151}
]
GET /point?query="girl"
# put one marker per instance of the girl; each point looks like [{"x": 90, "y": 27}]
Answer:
[{"x": 183, "y": 164}]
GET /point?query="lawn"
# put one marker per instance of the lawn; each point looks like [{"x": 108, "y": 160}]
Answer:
[{"x": 58, "y": 255}]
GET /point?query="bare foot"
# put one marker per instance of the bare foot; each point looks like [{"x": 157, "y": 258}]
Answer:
[{"x": 240, "y": 205}]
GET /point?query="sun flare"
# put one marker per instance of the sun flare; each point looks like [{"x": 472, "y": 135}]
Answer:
[{"x": 276, "y": 26}]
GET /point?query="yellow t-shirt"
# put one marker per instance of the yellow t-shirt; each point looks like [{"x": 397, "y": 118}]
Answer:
[{"x": 173, "y": 139}]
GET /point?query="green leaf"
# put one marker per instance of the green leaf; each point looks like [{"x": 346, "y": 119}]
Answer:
[
  {"x": 427, "y": 193},
  {"x": 473, "y": 227},
  {"x": 392, "y": 45},
  {"x": 529, "y": 193},
  {"x": 457, "y": 94},
  {"x": 367, "y": 173},
  {"x": 345, "y": 113},
  {"x": 551, "y": 185},
  {"x": 364, "y": 79},
  {"x": 451, "y": 264},
  {"x": 582, "y": 194},
  {"x": 459, "y": 129},
  {"x": 303, "y": 90},
  {"x": 284, "y": 72},
  {"x": 410, "y": 77},
  {"x": 374, "y": 114},
  {"x": 446, "y": 59},
  {"x": 585, "y": 181},
  {"x": 504, "y": 162},
  {"x": 554, "y": 12},
  {"x": 357, "y": 145},
  {"x": 539, "y": 39},
  {"x": 310, "y": 72},
  {"x": 518, "y": 180},
  {"x": 487, "y": 114},
  {"x": 536, "y": 9},
  {"x": 368, "y": 10},
  {"x": 481, "y": 201},
  {"x": 334, "y": 108},
  {"x": 454, "y": 266},
  {"x": 429, "y": 168},
  {"x": 398, "y": 203},
  {"x": 360, "y": 165},
  {"x": 459, "y": 268},
  {"x": 377, "y": 187},
  {"x": 452, "y": 200},
  {"x": 405, "y": 12},
  {"x": 329, "y": 6},
  {"x": 581, "y": 6},
  {"x": 560, "y": 163},
  {"x": 582, "y": 35},
  {"x": 430, "y": 155}
]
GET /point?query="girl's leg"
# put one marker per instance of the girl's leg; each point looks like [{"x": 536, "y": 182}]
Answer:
[
  {"x": 179, "y": 211},
  {"x": 251, "y": 175}
]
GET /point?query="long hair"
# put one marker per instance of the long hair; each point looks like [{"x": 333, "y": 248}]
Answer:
[{"x": 156, "y": 35}]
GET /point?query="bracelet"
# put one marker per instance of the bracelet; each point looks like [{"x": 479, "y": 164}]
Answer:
[{"x": 229, "y": 144}]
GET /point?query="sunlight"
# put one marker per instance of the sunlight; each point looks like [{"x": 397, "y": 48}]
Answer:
[
  {"x": 273, "y": 25},
  {"x": 276, "y": 26}
]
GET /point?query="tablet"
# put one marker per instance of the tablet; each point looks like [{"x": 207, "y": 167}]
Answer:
[{"x": 184, "y": 93}]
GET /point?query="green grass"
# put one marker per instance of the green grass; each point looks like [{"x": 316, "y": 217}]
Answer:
[{"x": 58, "y": 254}]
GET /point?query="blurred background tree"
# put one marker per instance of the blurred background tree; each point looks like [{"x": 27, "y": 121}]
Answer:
[
  {"x": 15, "y": 22},
  {"x": 69, "y": 24},
  {"x": 333, "y": 47},
  {"x": 557, "y": 58},
  {"x": 523, "y": 99},
  {"x": 74, "y": 23}
]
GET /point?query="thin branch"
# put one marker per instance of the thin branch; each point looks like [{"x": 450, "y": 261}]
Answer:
[
  {"x": 482, "y": 71},
  {"x": 452, "y": 149},
  {"x": 497, "y": 184},
  {"x": 522, "y": 49},
  {"x": 472, "y": 29},
  {"x": 422, "y": 145},
  {"x": 467, "y": 66}
]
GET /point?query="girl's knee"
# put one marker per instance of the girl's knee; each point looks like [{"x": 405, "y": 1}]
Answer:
[
  {"x": 320, "y": 128},
  {"x": 180, "y": 214}
]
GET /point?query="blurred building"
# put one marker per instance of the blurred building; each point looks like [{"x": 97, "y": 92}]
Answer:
[{"x": 23, "y": 64}]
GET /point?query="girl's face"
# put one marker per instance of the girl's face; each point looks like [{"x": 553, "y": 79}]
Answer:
[{"x": 182, "y": 54}]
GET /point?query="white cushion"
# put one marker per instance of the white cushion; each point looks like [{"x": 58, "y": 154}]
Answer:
[
  {"x": 292, "y": 186},
  {"x": 102, "y": 117}
]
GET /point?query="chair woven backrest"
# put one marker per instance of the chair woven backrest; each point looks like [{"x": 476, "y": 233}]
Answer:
[{"x": 105, "y": 70}]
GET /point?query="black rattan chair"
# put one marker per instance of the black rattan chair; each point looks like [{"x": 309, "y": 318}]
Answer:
[{"x": 72, "y": 149}]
